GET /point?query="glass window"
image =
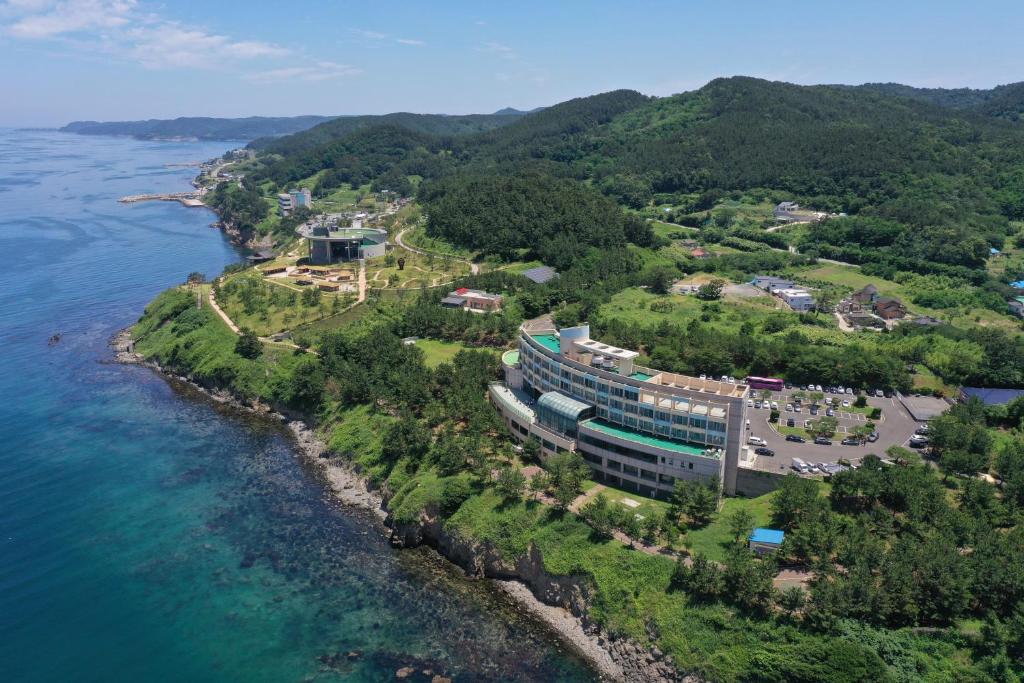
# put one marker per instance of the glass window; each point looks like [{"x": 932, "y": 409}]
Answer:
[
  {"x": 616, "y": 405},
  {"x": 631, "y": 408},
  {"x": 679, "y": 419},
  {"x": 663, "y": 416},
  {"x": 646, "y": 412},
  {"x": 616, "y": 391},
  {"x": 632, "y": 394}
]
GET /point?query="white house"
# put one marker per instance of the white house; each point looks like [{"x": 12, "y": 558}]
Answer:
[{"x": 798, "y": 299}]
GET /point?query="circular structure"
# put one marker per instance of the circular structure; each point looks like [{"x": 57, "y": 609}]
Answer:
[{"x": 334, "y": 245}]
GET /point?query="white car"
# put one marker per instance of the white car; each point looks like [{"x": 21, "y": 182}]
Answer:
[
  {"x": 846, "y": 404},
  {"x": 840, "y": 390},
  {"x": 849, "y": 390},
  {"x": 775, "y": 405},
  {"x": 789, "y": 407},
  {"x": 757, "y": 441},
  {"x": 750, "y": 403},
  {"x": 818, "y": 388},
  {"x": 797, "y": 408}
]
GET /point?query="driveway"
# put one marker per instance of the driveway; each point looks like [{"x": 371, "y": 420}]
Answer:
[{"x": 894, "y": 429}]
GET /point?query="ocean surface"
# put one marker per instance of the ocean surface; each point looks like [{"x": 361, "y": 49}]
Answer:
[{"x": 148, "y": 535}]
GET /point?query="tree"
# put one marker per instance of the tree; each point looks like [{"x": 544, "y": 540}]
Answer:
[
  {"x": 741, "y": 524},
  {"x": 823, "y": 426},
  {"x": 539, "y": 483},
  {"x": 567, "y": 471},
  {"x": 598, "y": 515},
  {"x": 712, "y": 290},
  {"x": 248, "y": 345},
  {"x": 511, "y": 483},
  {"x": 792, "y": 599},
  {"x": 748, "y": 580}
]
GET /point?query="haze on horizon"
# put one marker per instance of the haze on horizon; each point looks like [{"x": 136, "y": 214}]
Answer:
[{"x": 136, "y": 59}]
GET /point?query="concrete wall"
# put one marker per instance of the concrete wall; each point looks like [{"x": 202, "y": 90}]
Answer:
[
  {"x": 753, "y": 483},
  {"x": 372, "y": 250}
]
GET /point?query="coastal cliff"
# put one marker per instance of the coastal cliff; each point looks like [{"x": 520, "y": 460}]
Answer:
[{"x": 563, "y": 602}]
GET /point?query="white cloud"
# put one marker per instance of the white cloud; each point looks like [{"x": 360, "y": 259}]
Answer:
[
  {"x": 321, "y": 71},
  {"x": 121, "y": 30},
  {"x": 409, "y": 41},
  {"x": 500, "y": 50}
]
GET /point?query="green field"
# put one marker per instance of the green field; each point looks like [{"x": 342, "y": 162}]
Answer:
[
  {"x": 634, "y": 305},
  {"x": 421, "y": 270},
  {"x": 713, "y": 540},
  {"x": 436, "y": 351}
]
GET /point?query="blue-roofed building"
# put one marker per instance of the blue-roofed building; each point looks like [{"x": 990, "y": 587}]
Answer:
[
  {"x": 1019, "y": 284},
  {"x": 764, "y": 541},
  {"x": 541, "y": 274},
  {"x": 993, "y": 251},
  {"x": 990, "y": 396}
]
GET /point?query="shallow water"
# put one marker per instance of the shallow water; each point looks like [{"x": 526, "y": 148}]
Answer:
[{"x": 147, "y": 534}]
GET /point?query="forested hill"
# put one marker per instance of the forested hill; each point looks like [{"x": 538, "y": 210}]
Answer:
[
  {"x": 944, "y": 173},
  {"x": 336, "y": 129},
  {"x": 200, "y": 128},
  {"x": 1003, "y": 101}
]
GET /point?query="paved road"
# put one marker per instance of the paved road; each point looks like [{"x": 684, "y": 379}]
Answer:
[{"x": 895, "y": 429}]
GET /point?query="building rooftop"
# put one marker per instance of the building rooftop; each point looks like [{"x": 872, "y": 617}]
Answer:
[
  {"x": 771, "y": 536},
  {"x": 510, "y": 357},
  {"x": 541, "y": 274},
  {"x": 606, "y": 350},
  {"x": 513, "y": 401},
  {"x": 454, "y": 300},
  {"x": 646, "y": 439},
  {"x": 990, "y": 396},
  {"x": 563, "y": 405}
]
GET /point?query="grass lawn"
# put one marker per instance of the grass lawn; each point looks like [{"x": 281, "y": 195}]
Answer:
[
  {"x": 420, "y": 270},
  {"x": 926, "y": 379},
  {"x": 417, "y": 237},
  {"x": 634, "y": 305},
  {"x": 644, "y": 506},
  {"x": 713, "y": 540},
  {"x": 436, "y": 351},
  {"x": 342, "y": 198}
]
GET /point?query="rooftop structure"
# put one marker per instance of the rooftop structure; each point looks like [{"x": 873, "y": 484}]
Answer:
[
  {"x": 293, "y": 199},
  {"x": 541, "y": 274},
  {"x": 797, "y": 299},
  {"x": 475, "y": 300},
  {"x": 637, "y": 427},
  {"x": 771, "y": 282},
  {"x": 766, "y": 540},
  {"x": 334, "y": 244},
  {"x": 990, "y": 396}
]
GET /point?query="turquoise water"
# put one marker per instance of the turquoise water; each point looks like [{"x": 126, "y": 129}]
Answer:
[{"x": 147, "y": 535}]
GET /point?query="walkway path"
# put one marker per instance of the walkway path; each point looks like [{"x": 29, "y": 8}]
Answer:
[{"x": 473, "y": 268}]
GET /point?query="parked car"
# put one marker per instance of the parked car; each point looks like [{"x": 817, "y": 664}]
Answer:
[
  {"x": 918, "y": 442},
  {"x": 879, "y": 393},
  {"x": 846, "y": 404},
  {"x": 794, "y": 438},
  {"x": 797, "y": 408},
  {"x": 750, "y": 403},
  {"x": 756, "y": 441},
  {"x": 923, "y": 429},
  {"x": 757, "y": 404},
  {"x": 789, "y": 407},
  {"x": 764, "y": 451},
  {"x": 822, "y": 441},
  {"x": 830, "y": 412},
  {"x": 840, "y": 390},
  {"x": 790, "y": 422},
  {"x": 775, "y": 405},
  {"x": 850, "y": 441},
  {"x": 818, "y": 388},
  {"x": 849, "y": 390},
  {"x": 873, "y": 437},
  {"x": 814, "y": 410}
]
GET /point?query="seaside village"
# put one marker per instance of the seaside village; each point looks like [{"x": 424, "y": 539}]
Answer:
[{"x": 639, "y": 429}]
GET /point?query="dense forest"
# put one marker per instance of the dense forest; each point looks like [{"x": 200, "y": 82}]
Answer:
[{"x": 933, "y": 176}]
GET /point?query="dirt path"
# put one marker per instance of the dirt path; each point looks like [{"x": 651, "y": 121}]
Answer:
[{"x": 223, "y": 316}]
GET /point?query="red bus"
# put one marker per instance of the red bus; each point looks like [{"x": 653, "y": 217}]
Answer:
[{"x": 771, "y": 383}]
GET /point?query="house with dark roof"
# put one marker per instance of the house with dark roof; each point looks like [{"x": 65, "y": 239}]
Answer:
[
  {"x": 889, "y": 308},
  {"x": 475, "y": 300},
  {"x": 925, "y": 320},
  {"x": 865, "y": 296}
]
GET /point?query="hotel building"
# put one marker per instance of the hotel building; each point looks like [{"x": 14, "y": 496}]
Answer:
[{"x": 638, "y": 428}]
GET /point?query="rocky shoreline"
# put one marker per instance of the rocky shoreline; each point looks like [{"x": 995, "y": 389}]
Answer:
[{"x": 560, "y": 602}]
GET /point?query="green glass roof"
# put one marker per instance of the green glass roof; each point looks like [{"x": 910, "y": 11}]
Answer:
[
  {"x": 563, "y": 405},
  {"x": 548, "y": 341},
  {"x": 510, "y": 357},
  {"x": 642, "y": 438}
]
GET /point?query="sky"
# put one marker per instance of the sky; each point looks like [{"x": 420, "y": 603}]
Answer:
[{"x": 64, "y": 60}]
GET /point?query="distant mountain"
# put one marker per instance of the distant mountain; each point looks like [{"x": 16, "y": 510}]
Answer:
[
  {"x": 430, "y": 124},
  {"x": 1002, "y": 101},
  {"x": 507, "y": 111},
  {"x": 199, "y": 127}
]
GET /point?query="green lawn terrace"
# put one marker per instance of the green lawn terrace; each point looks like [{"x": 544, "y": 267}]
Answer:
[{"x": 635, "y": 436}]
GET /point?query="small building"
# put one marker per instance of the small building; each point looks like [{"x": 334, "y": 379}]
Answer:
[
  {"x": 798, "y": 299},
  {"x": 990, "y": 396},
  {"x": 293, "y": 199},
  {"x": 1016, "y": 306},
  {"x": 261, "y": 256},
  {"x": 700, "y": 253},
  {"x": 1019, "y": 284},
  {"x": 329, "y": 245},
  {"x": 863, "y": 319},
  {"x": 764, "y": 541},
  {"x": 472, "y": 300},
  {"x": 541, "y": 274},
  {"x": 273, "y": 270},
  {"x": 926, "y": 320},
  {"x": 329, "y": 286},
  {"x": 865, "y": 296},
  {"x": 770, "y": 283},
  {"x": 889, "y": 308},
  {"x": 783, "y": 208}
]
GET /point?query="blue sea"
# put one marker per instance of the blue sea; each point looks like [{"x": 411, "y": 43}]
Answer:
[{"x": 149, "y": 535}]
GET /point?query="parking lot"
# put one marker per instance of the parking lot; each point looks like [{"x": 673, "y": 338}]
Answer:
[{"x": 894, "y": 428}]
